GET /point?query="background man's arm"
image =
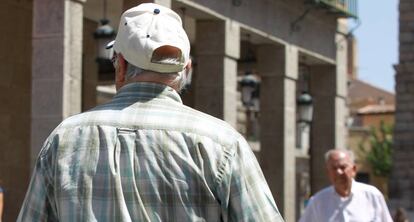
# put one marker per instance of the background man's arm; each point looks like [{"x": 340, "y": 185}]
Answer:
[
  {"x": 309, "y": 214},
  {"x": 385, "y": 213}
]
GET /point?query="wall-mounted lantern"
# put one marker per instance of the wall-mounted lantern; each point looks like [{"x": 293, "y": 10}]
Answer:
[
  {"x": 305, "y": 107},
  {"x": 250, "y": 96},
  {"x": 305, "y": 117},
  {"x": 250, "y": 91},
  {"x": 104, "y": 34}
]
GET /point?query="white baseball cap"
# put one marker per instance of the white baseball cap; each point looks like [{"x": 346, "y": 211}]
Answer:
[{"x": 149, "y": 36}]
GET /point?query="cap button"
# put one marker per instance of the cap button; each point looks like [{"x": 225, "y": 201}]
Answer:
[{"x": 156, "y": 11}]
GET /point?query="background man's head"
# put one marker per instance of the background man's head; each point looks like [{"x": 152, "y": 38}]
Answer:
[
  {"x": 151, "y": 39},
  {"x": 341, "y": 169}
]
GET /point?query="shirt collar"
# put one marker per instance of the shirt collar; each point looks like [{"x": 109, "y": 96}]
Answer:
[
  {"x": 353, "y": 190},
  {"x": 353, "y": 187},
  {"x": 141, "y": 91}
]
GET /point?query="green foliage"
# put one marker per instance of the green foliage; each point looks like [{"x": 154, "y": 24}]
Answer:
[{"x": 379, "y": 156}]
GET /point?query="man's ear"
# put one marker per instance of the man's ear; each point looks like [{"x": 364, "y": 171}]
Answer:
[
  {"x": 354, "y": 168},
  {"x": 189, "y": 66},
  {"x": 120, "y": 71},
  {"x": 188, "y": 70}
]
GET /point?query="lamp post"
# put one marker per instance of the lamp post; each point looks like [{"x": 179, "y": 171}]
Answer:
[
  {"x": 304, "y": 139},
  {"x": 104, "y": 34},
  {"x": 250, "y": 87},
  {"x": 305, "y": 107},
  {"x": 250, "y": 95},
  {"x": 305, "y": 111}
]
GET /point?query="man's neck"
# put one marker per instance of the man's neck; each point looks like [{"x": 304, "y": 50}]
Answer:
[
  {"x": 344, "y": 191},
  {"x": 153, "y": 77}
]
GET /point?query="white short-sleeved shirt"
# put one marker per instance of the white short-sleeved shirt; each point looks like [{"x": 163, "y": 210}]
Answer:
[{"x": 365, "y": 204}]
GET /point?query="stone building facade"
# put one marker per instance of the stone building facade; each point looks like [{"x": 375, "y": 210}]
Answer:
[
  {"x": 402, "y": 180},
  {"x": 49, "y": 73}
]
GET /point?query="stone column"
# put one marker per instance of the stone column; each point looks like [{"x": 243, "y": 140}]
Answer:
[
  {"x": 218, "y": 47},
  {"x": 132, "y": 3},
  {"x": 328, "y": 85},
  {"x": 327, "y": 130},
  {"x": 278, "y": 68},
  {"x": 57, "y": 66},
  {"x": 90, "y": 66},
  {"x": 402, "y": 176},
  {"x": 341, "y": 82}
]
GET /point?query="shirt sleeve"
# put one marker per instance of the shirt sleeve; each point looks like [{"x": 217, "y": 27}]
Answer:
[
  {"x": 385, "y": 213},
  {"x": 309, "y": 214},
  {"x": 39, "y": 204},
  {"x": 245, "y": 195}
]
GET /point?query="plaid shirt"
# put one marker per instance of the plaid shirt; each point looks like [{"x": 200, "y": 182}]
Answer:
[{"x": 146, "y": 157}]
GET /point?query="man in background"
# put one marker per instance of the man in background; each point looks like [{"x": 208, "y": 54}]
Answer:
[
  {"x": 346, "y": 200},
  {"x": 145, "y": 156}
]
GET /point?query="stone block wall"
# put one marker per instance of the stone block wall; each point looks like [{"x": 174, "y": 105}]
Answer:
[
  {"x": 314, "y": 33},
  {"x": 402, "y": 179}
]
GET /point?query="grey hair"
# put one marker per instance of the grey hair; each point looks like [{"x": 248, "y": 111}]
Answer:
[
  {"x": 132, "y": 71},
  {"x": 178, "y": 78},
  {"x": 350, "y": 154}
]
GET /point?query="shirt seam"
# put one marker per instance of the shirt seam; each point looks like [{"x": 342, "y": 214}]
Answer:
[
  {"x": 228, "y": 155},
  {"x": 147, "y": 127}
]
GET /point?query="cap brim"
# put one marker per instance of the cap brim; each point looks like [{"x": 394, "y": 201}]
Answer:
[{"x": 110, "y": 44}]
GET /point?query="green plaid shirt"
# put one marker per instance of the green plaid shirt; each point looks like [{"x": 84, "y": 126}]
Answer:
[{"x": 146, "y": 157}]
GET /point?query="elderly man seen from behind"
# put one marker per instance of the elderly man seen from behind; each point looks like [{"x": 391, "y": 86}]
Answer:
[
  {"x": 346, "y": 200},
  {"x": 145, "y": 156}
]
